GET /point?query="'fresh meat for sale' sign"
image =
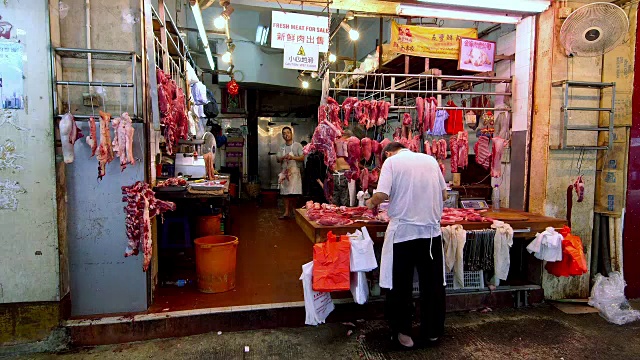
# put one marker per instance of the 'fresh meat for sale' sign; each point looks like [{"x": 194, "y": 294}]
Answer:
[{"x": 300, "y": 29}]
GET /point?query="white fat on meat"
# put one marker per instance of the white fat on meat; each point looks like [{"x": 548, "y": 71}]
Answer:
[
  {"x": 496, "y": 156},
  {"x": 91, "y": 140},
  {"x": 69, "y": 133}
]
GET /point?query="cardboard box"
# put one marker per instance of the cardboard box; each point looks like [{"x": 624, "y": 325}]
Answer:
[
  {"x": 609, "y": 196},
  {"x": 614, "y": 159}
]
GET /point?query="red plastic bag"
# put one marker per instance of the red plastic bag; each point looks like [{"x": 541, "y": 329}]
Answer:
[
  {"x": 573, "y": 262},
  {"x": 331, "y": 264}
]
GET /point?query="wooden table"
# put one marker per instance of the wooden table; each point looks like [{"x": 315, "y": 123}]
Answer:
[{"x": 522, "y": 228}]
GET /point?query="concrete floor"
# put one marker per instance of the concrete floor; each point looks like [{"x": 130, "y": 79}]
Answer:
[{"x": 542, "y": 332}]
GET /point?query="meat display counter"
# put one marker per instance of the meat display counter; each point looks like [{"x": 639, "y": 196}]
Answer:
[{"x": 524, "y": 224}]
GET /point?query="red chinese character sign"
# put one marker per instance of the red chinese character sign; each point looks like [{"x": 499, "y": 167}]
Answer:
[
  {"x": 476, "y": 55},
  {"x": 300, "y": 29}
]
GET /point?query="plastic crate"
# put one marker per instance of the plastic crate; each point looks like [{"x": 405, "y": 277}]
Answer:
[{"x": 472, "y": 280}]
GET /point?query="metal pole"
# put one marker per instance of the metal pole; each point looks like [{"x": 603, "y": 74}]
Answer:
[{"x": 135, "y": 88}]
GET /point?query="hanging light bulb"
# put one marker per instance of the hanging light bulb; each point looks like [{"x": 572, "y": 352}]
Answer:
[
  {"x": 314, "y": 75},
  {"x": 226, "y": 57},
  {"x": 353, "y": 33},
  {"x": 220, "y": 22},
  {"x": 305, "y": 84},
  {"x": 332, "y": 58}
]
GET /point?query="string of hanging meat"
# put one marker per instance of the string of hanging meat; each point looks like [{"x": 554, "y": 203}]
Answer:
[
  {"x": 173, "y": 116},
  {"x": 142, "y": 206}
]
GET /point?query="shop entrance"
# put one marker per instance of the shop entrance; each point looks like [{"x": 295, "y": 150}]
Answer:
[{"x": 269, "y": 256}]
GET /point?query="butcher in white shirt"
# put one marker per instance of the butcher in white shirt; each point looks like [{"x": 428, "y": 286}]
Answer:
[{"x": 415, "y": 188}]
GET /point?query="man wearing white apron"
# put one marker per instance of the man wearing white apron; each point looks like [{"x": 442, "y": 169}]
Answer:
[
  {"x": 415, "y": 188},
  {"x": 291, "y": 157}
]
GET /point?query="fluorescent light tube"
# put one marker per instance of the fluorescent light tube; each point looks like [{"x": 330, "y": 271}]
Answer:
[
  {"x": 421, "y": 11},
  {"x": 203, "y": 35},
  {"x": 522, "y": 6}
]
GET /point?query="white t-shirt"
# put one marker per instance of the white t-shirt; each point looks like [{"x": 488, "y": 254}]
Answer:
[{"x": 414, "y": 184}]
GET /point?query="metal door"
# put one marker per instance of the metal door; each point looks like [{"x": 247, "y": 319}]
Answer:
[
  {"x": 102, "y": 279},
  {"x": 270, "y": 142}
]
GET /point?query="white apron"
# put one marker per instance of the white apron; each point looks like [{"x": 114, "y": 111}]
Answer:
[
  {"x": 293, "y": 186},
  {"x": 386, "y": 259}
]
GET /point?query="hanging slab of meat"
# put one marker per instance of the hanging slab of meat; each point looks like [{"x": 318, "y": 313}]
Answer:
[
  {"x": 483, "y": 153},
  {"x": 578, "y": 185},
  {"x": 427, "y": 148},
  {"x": 442, "y": 168},
  {"x": 141, "y": 207},
  {"x": 164, "y": 100},
  {"x": 366, "y": 148},
  {"x": 420, "y": 108},
  {"x": 323, "y": 112},
  {"x": 383, "y": 112},
  {"x": 129, "y": 130},
  {"x": 453, "y": 145},
  {"x": 496, "y": 156},
  {"x": 92, "y": 139},
  {"x": 323, "y": 140},
  {"x": 433, "y": 102},
  {"x": 179, "y": 114},
  {"x": 105, "y": 150},
  {"x": 442, "y": 146},
  {"x": 384, "y": 143},
  {"x": 414, "y": 144},
  {"x": 334, "y": 111},
  {"x": 347, "y": 108},
  {"x": 426, "y": 120},
  {"x": 397, "y": 133},
  {"x": 120, "y": 139},
  {"x": 406, "y": 119},
  {"x": 353, "y": 149},
  {"x": 373, "y": 114},
  {"x": 69, "y": 133},
  {"x": 376, "y": 148},
  {"x": 435, "y": 149},
  {"x": 364, "y": 179},
  {"x": 361, "y": 112},
  {"x": 374, "y": 175},
  {"x": 463, "y": 149}
]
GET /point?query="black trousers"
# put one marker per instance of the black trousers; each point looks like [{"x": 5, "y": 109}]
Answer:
[{"x": 407, "y": 256}]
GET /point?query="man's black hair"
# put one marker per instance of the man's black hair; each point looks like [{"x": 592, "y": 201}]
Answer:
[
  {"x": 392, "y": 147},
  {"x": 287, "y": 128}
]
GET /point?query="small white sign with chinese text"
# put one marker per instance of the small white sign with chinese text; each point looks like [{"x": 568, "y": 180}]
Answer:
[{"x": 301, "y": 56}]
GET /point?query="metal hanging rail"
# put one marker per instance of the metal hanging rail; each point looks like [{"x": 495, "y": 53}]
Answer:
[
  {"x": 411, "y": 79},
  {"x": 97, "y": 54},
  {"x": 441, "y": 92}
]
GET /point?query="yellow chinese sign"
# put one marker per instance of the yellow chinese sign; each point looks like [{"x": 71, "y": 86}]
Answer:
[{"x": 431, "y": 42}]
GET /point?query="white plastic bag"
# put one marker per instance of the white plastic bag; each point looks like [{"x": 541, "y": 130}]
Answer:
[
  {"x": 317, "y": 305},
  {"x": 359, "y": 287},
  {"x": 362, "y": 257},
  {"x": 607, "y": 295}
]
